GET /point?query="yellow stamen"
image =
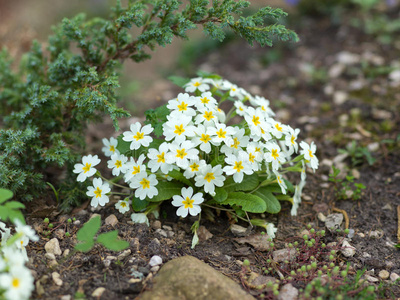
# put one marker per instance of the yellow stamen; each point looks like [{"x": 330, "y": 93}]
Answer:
[
  {"x": 209, "y": 177},
  {"x": 138, "y": 136},
  {"x": 236, "y": 143},
  {"x": 145, "y": 183},
  {"x": 292, "y": 139},
  {"x": 112, "y": 148},
  {"x": 205, "y": 138},
  {"x": 98, "y": 192},
  {"x": 188, "y": 202},
  {"x": 274, "y": 153},
  {"x": 136, "y": 170},
  {"x": 181, "y": 153},
  {"x": 278, "y": 127},
  {"x": 208, "y": 115},
  {"x": 251, "y": 157},
  {"x": 196, "y": 84},
  {"x": 238, "y": 166},
  {"x": 194, "y": 167},
  {"x": 310, "y": 153},
  {"x": 256, "y": 120},
  {"x": 15, "y": 283},
  {"x": 205, "y": 100},
  {"x": 118, "y": 164},
  {"x": 86, "y": 168},
  {"x": 221, "y": 133},
  {"x": 182, "y": 106},
  {"x": 161, "y": 157},
  {"x": 179, "y": 129}
]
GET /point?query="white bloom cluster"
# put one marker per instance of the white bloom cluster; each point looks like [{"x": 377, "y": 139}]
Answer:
[
  {"x": 199, "y": 142},
  {"x": 16, "y": 281}
]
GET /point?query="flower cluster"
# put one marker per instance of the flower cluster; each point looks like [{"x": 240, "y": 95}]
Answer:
[
  {"x": 195, "y": 153},
  {"x": 16, "y": 281}
]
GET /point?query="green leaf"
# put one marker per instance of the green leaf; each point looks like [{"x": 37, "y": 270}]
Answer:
[
  {"x": 272, "y": 204},
  {"x": 289, "y": 185},
  {"x": 179, "y": 81},
  {"x": 85, "y": 246},
  {"x": 14, "y": 205},
  {"x": 248, "y": 202},
  {"x": 139, "y": 205},
  {"x": 166, "y": 189},
  {"x": 89, "y": 230},
  {"x": 220, "y": 195},
  {"x": 111, "y": 241},
  {"x": 5, "y": 195},
  {"x": 177, "y": 175},
  {"x": 249, "y": 183}
]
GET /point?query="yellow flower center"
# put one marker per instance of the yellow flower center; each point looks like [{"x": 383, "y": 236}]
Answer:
[
  {"x": 240, "y": 108},
  {"x": 161, "y": 157},
  {"x": 258, "y": 149},
  {"x": 181, "y": 153},
  {"x": 179, "y": 129},
  {"x": 112, "y": 148},
  {"x": 256, "y": 120},
  {"x": 279, "y": 179},
  {"x": 98, "y": 192},
  {"x": 205, "y": 138},
  {"x": 205, "y": 100},
  {"x": 86, "y": 168},
  {"x": 196, "y": 84},
  {"x": 236, "y": 143},
  {"x": 251, "y": 157},
  {"x": 238, "y": 166},
  {"x": 138, "y": 136},
  {"x": 221, "y": 133},
  {"x": 182, "y": 106},
  {"x": 233, "y": 89},
  {"x": 292, "y": 139},
  {"x": 274, "y": 153},
  {"x": 208, "y": 115},
  {"x": 310, "y": 153},
  {"x": 136, "y": 170},
  {"x": 194, "y": 167},
  {"x": 263, "y": 108},
  {"x": 145, "y": 183},
  {"x": 15, "y": 283},
  {"x": 118, "y": 164},
  {"x": 209, "y": 177},
  {"x": 188, "y": 202},
  {"x": 279, "y": 128},
  {"x": 123, "y": 204}
]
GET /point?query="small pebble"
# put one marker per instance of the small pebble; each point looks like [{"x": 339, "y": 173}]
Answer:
[
  {"x": 155, "y": 261},
  {"x": 155, "y": 269},
  {"x": 98, "y": 292},
  {"x": 124, "y": 254},
  {"x": 162, "y": 232},
  {"x": 394, "y": 276},
  {"x": 66, "y": 297},
  {"x": 383, "y": 274},
  {"x": 375, "y": 234},
  {"x": 156, "y": 225},
  {"x": 56, "y": 278},
  {"x": 66, "y": 252},
  {"x": 76, "y": 222},
  {"x": 321, "y": 217},
  {"x": 361, "y": 235},
  {"x": 111, "y": 220},
  {"x": 166, "y": 227},
  {"x": 371, "y": 278},
  {"x": 50, "y": 256},
  {"x": 348, "y": 250},
  {"x": 53, "y": 246}
]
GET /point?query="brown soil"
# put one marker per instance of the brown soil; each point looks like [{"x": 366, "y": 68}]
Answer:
[{"x": 299, "y": 99}]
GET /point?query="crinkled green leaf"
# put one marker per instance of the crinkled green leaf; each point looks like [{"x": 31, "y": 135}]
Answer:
[
  {"x": 248, "y": 202},
  {"x": 167, "y": 189},
  {"x": 89, "y": 230},
  {"x": 272, "y": 204},
  {"x": 85, "y": 246},
  {"x": 111, "y": 241},
  {"x": 5, "y": 195},
  {"x": 220, "y": 194},
  {"x": 177, "y": 175}
]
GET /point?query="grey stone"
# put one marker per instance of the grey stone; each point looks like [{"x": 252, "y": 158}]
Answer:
[
  {"x": 124, "y": 254},
  {"x": 383, "y": 274},
  {"x": 394, "y": 276},
  {"x": 98, "y": 292},
  {"x": 288, "y": 292},
  {"x": 284, "y": 254},
  {"x": 111, "y": 220},
  {"x": 53, "y": 246},
  {"x": 204, "y": 234},
  {"x": 162, "y": 232},
  {"x": 175, "y": 281},
  {"x": 156, "y": 225},
  {"x": 347, "y": 249},
  {"x": 155, "y": 261},
  {"x": 56, "y": 278},
  {"x": 333, "y": 221},
  {"x": 238, "y": 230}
]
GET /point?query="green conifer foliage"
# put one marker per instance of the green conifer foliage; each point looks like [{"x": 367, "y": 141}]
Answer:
[{"x": 47, "y": 103}]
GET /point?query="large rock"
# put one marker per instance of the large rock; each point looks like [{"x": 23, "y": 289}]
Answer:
[{"x": 187, "y": 278}]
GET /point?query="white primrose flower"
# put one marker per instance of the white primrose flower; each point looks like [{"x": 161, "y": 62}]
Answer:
[
  {"x": 256, "y": 122},
  {"x": 188, "y": 203},
  {"x": 86, "y": 168},
  {"x": 209, "y": 177},
  {"x": 235, "y": 143},
  {"x": 122, "y": 206},
  {"x": 206, "y": 116},
  {"x": 117, "y": 163},
  {"x": 297, "y": 197},
  {"x": 5, "y": 233},
  {"x": 290, "y": 140},
  {"x": 181, "y": 154},
  {"x": 193, "y": 168},
  {"x": 220, "y": 133},
  {"x": 309, "y": 154},
  {"x": 138, "y": 136},
  {"x": 281, "y": 182},
  {"x": 197, "y": 83},
  {"x": 145, "y": 186},
  {"x": 271, "y": 229},
  {"x": 110, "y": 146},
  {"x": 263, "y": 104},
  {"x": 277, "y": 129},
  {"x": 140, "y": 218},
  {"x": 17, "y": 283},
  {"x": 183, "y": 104},
  {"x": 234, "y": 91},
  {"x": 202, "y": 138},
  {"x": 133, "y": 168},
  {"x": 221, "y": 115},
  {"x": 237, "y": 166},
  {"x": 178, "y": 127},
  {"x": 25, "y": 230},
  {"x": 274, "y": 155},
  {"x": 254, "y": 155},
  {"x": 206, "y": 101},
  {"x": 98, "y": 192},
  {"x": 240, "y": 108},
  {"x": 158, "y": 159}
]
